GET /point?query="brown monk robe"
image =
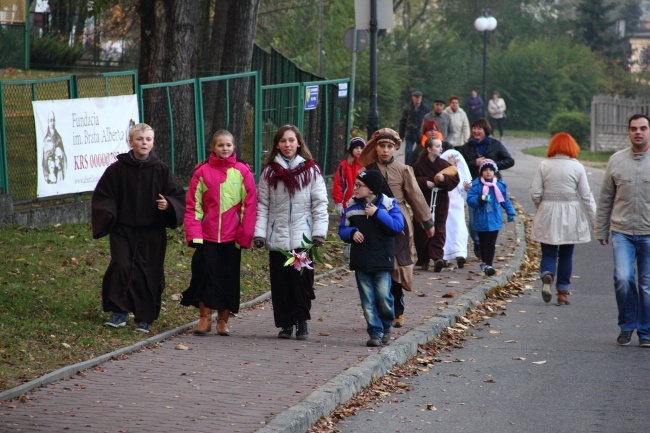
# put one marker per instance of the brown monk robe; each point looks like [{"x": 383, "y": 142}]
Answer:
[
  {"x": 426, "y": 169},
  {"x": 124, "y": 207}
]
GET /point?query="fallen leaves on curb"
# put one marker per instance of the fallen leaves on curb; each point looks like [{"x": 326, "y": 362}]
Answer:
[{"x": 449, "y": 339}]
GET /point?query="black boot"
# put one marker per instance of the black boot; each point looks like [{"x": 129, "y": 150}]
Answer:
[
  {"x": 286, "y": 332},
  {"x": 301, "y": 330}
]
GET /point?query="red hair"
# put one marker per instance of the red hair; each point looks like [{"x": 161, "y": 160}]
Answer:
[
  {"x": 429, "y": 125},
  {"x": 563, "y": 144}
]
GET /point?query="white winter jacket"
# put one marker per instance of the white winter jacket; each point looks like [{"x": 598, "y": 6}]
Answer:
[
  {"x": 565, "y": 206},
  {"x": 460, "y": 123},
  {"x": 283, "y": 220}
]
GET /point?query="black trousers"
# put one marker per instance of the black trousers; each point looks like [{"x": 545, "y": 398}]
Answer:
[
  {"x": 497, "y": 124},
  {"x": 397, "y": 290},
  {"x": 215, "y": 277},
  {"x": 291, "y": 291},
  {"x": 488, "y": 245}
]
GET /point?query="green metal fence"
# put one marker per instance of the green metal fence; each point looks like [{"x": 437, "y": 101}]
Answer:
[
  {"x": 184, "y": 115},
  {"x": 18, "y": 160}
]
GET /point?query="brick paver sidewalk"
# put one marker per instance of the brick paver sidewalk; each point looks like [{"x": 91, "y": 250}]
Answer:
[{"x": 237, "y": 383}]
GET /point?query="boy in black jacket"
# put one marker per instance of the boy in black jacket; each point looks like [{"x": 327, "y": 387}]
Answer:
[{"x": 369, "y": 223}]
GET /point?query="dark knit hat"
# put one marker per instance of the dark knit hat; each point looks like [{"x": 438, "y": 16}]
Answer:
[
  {"x": 488, "y": 163},
  {"x": 356, "y": 142},
  {"x": 373, "y": 179}
]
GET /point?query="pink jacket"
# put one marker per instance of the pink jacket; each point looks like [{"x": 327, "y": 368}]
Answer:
[{"x": 221, "y": 203}]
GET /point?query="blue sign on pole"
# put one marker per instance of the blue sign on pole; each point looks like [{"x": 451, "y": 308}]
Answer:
[{"x": 311, "y": 97}]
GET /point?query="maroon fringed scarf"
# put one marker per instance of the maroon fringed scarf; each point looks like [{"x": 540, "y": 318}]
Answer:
[{"x": 293, "y": 178}]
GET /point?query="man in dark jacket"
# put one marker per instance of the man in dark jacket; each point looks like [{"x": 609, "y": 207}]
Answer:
[
  {"x": 474, "y": 106},
  {"x": 409, "y": 124}
]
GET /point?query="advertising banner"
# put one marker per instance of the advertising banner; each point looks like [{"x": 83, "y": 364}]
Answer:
[{"x": 76, "y": 139}]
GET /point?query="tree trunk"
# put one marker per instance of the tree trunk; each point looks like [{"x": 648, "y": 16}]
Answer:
[
  {"x": 212, "y": 90},
  {"x": 168, "y": 53},
  {"x": 238, "y": 41}
]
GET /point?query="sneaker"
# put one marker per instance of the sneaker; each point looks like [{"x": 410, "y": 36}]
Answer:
[
  {"x": 143, "y": 327},
  {"x": 624, "y": 338},
  {"x": 373, "y": 342},
  {"x": 385, "y": 339},
  {"x": 301, "y": 331},
  {"x": 437, "y": 267},
  {"x": 547, "y": 282},
  {"x": 489, "y": 270},
  {"x": 460, "y": 261},
  {"x": 286, "y": 332},
  {"x": 644, "y": 343},
  {"x": 477, "y": 251},
  {"x": 117, "y": 320}
]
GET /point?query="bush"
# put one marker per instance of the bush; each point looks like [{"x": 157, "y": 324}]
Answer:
[
  {"x": 575, "y": 123},
  {"x": 52, "y": 51},
  {"x": 12, "y": 47},
  {"x": 541, "y": 78}
]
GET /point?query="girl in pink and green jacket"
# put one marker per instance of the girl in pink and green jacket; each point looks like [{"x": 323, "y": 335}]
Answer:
[{"x": 220, "y": 213}]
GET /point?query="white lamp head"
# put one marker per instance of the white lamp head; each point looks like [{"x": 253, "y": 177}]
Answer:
[
  {"x": 491, "y": 23},
  {"x": 481, "y": 24}
]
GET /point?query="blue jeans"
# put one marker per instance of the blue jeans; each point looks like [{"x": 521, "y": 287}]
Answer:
[
  {"x": 633, "y": 300},
  {"x": 557, "y": 260},
  {"x": 376, "y": 301},
  {"x": 408, "y": 152}
]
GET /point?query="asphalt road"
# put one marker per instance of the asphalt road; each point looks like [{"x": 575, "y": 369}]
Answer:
[{"x": 550, "y": 369}]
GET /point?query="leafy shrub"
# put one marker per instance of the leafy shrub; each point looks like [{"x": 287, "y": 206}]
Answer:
[
  {"x": 53, "y": 51},
  {"x": 11, "y": 47},
  {"x": 575, "y": 123},
  {"x": 541, "y": 78}
]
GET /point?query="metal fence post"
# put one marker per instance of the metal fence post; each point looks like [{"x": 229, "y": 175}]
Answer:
[{"x": 4, "y": 175}]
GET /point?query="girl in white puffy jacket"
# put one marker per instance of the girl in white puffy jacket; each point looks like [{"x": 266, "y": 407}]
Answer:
[{"x": 292, "y": 203}]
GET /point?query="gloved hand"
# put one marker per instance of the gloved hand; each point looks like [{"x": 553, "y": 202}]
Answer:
[
  {"x": 259, "y": 242},
  {"x": 511, "y": 218},
  {"x": 319, "y": 241},
  {"x": 486, "y": 198},
  {"x": 339, "y": 208}
]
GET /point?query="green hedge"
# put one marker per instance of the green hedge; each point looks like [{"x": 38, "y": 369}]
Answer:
[
  {"x": 575, "y": 123},
  {"x": 50, "y": 50}
]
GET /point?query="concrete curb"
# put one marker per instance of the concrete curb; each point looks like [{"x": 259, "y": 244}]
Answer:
[
  {"x": 71, "y": 370},
  {"x": 300, "y": 417}
]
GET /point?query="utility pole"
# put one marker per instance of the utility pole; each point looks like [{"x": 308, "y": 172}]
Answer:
[{"x": 373, "y": 114}]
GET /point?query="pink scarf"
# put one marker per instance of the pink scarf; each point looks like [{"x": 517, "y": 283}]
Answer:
[{"x": 497, "y": 191}]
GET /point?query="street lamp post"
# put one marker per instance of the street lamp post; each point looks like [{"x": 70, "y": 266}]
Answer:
[
  {"x": 485, "y": 23},
  {"x": 373, "y": 113}
]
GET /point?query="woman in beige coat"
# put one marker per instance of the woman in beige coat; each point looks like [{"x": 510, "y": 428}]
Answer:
[{"x": 565, "y": 213}]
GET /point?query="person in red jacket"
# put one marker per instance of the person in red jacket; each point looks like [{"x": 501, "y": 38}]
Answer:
[
  {"x": 345, "y": 175},
  {"x": 220, "y": 213}
]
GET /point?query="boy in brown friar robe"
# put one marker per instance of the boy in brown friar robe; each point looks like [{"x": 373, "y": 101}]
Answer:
[
  {"x": 379, "y": 155},
  {"x": 136, "y": 198},
  {"x": 435, "y": 177}
]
